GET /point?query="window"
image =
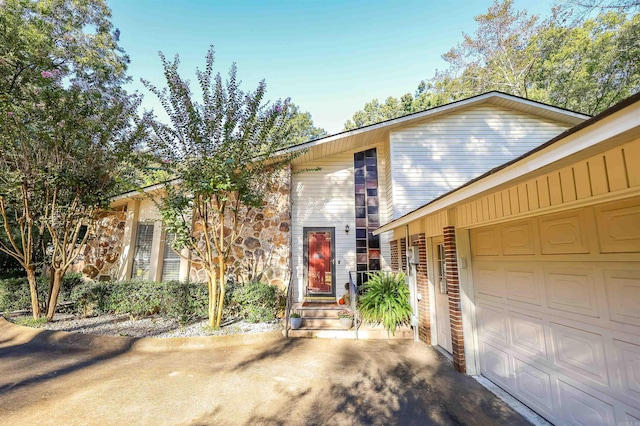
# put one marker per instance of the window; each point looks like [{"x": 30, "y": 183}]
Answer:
[
  {"x": 142, "y": 254},
  {"x": 170, "y": 260},
  {"x": 442, "y": 270}
]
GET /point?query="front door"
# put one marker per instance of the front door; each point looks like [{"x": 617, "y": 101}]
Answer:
[
  {"x": 319, "y": 261},
  {"x": 443, "y": 325}
]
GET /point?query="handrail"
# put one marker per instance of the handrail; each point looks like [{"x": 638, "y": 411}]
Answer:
[
  {"x": 353, "y": 294},
  {"x": 287, "y": 310}
]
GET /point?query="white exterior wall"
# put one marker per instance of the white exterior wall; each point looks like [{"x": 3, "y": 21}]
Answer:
[
  {"x": 325, "y": 198},
  {"x": 430, "y": 159}
]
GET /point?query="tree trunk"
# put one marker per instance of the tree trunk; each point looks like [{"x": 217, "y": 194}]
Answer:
[
  {"x": 212, "y": 301},
  {"x": 33, "y": 290},
  {"x": 53, "y": 296}
]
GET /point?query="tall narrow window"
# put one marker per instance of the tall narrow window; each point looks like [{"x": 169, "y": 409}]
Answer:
[
  {"x": 365, "y": 167},
  {"x": 142, "y": 256},
  {"x": 170, "y": 260},
  {"x": 442, "y": 270}
]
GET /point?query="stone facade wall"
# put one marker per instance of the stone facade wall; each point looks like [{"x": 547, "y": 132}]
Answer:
[
  {"x": 101, "y": 258},
  {"x": 262, "y": 250}
]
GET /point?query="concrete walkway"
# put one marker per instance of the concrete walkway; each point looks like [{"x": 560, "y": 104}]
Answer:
[{"x": 55, "y": 378}]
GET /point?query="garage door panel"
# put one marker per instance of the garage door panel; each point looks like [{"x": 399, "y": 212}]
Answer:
[
  {"x": 519, "y": 238},
  {"x": 629, "y": 356},
  {"x": 495, "y": 365},
  {"x": 527, "y": 335},
  {"x": 581, "y": 353},
  {"x": 564, "y": 233},
  {"x": 493, "y": 325},
  {"x": 535, "y": 386},
  {"x": 623, "y": 293},
  {"x": 571, "y": 289},
  {"x": 524, "y": 284},
  {"x": 619, "y": 227},
  {"x": 489, "y": 279},
  {"x": 580, "y": 408}
]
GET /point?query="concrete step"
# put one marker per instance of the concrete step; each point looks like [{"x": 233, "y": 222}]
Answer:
[{"x": 364, "y": 333}]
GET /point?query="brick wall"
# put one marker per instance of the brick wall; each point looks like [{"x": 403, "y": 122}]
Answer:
[
  {"x": 455, "y": 313},
  {"x": 394, "y": 255},
  {"x": 422, "y": 280},
  {"x": 403, "y": 254}
]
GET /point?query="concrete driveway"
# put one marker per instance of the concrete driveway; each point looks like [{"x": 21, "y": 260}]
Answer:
[{"x": 55, "y": 378}]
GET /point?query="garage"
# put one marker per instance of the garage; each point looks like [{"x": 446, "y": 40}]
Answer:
[{"x": 557, "y": 304}]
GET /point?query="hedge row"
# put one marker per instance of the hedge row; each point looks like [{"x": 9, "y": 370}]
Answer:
[
  {"x": 15, "y": 295},
  {"x": 183, "y": 301}
]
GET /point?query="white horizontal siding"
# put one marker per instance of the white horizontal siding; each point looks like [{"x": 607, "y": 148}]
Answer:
[
  {"x": 433, "y": 158},
  {"x": 325, "y": 198}
]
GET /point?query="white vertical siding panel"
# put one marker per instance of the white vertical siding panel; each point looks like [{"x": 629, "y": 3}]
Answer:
[{"x": 433, "y": 158}]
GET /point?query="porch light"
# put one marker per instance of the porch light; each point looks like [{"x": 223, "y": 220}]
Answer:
[{"x": 346, "y": 228}]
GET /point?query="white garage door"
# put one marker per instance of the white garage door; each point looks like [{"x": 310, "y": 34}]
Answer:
[{"x": 558, "y": 312}]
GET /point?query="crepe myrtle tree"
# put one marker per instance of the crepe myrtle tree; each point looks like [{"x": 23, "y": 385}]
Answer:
[
  {"x": 68, "y": 131},
  {"x": 224, "y": 153}
]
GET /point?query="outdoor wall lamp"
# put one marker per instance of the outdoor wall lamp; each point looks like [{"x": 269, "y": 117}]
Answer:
[{"x": 346, "y": 229}]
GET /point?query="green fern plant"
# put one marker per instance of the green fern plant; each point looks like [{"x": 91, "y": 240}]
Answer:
[{"x": 386, "y": 301}]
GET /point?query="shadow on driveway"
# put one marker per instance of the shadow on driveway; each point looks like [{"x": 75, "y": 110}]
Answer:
[{"x": 63, "y": 378}]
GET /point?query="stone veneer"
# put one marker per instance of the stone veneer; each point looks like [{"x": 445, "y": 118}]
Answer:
[
  {"x": 262, "y": 250},
  {"x": 102, "y": 258}
]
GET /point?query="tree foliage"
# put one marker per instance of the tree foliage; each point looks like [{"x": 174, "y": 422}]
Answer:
[
  {"x": 586, "y": 64},
  {"x": 222, "y": 152},
  {"x": 67, "y": 130}
]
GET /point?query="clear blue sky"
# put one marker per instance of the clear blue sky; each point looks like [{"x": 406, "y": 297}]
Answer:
[{"x": 328, "y": 56}]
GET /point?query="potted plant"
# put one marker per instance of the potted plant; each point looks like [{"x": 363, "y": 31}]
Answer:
[
  {"x": 346, "y": 319},
  {"x": 295, "y": 319}
]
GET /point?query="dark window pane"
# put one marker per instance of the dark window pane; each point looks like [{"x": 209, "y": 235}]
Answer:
[
  {"x": 358, "y": 172},
  {"x": 374, "y": 241},
  {"x": 371, "y": 163},
  {"x": 362, "y": 249},
  {"x": 374, "y": 264},
  {"x": 362, "y": 267},
  {"x": 358, "y": 164},
  {"x": 361, "y": 243},
  {"x": 359, "y": 180},
  {"x": 372, "y": 184},
  {"x": 370, "y": 153},
  {"x": 360, "y": 200},
  {"x": 360, "y": 188},
  {"x": 373, "y": 192},
  {"x": 358, "y": 156},
  {"x": 373, "y": 221},
  {"x": 361, "y": 233},
  {"x": 372, "y": 209},
  {"x": 372, "y": 175},
  {"x": 361, "y": 212}
]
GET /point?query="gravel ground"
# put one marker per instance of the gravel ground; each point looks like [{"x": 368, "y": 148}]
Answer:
[{"x": 154, "y": 326}]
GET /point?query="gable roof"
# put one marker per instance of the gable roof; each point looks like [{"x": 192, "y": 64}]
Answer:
[
  {"x": 373, "y": 133},
  {"x": 571, "y": 142}
]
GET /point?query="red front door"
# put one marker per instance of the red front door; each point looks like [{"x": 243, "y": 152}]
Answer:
[{"x": 318, "y": 251}]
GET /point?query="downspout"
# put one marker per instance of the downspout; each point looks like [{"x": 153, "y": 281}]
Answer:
[{"x": 413, "y": 284}]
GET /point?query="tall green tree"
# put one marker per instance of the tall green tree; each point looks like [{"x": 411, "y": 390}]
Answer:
[
  {"x": 68, "y": 130},
  {"x": 222, "y": 152}
]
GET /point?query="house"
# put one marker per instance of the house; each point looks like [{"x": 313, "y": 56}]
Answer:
[
  {"x": 318, "y": 224},
  {"x": 529, "y": 274}
]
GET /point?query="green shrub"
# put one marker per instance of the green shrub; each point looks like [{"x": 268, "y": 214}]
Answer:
[
  {"x": 15, "y": 294},
  {"x": 183, "y": 301},
  {"x": 259, "y": 302},
  {"x": 386, "y": 301}
]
